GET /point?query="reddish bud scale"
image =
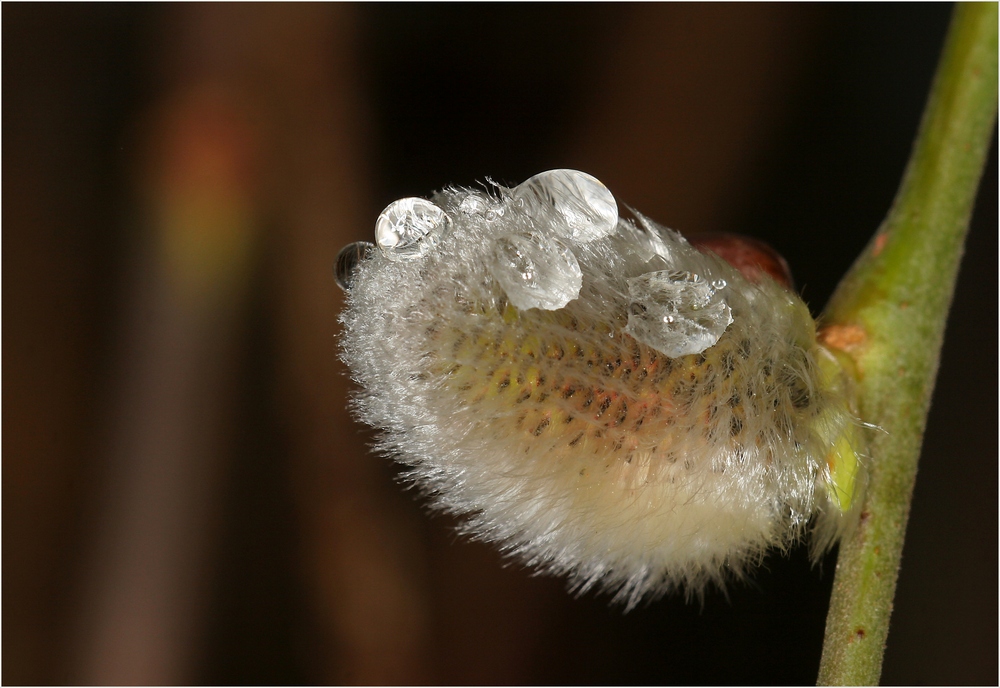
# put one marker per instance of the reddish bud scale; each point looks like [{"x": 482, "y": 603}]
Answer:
[{"x": 752, "y": 257}]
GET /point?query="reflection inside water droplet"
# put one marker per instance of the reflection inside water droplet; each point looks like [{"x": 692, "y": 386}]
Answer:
[
  {"x": 347, "y": 262},
  {"x": 409, "y": 228},
  {"x": 580, "y": 207},
  {"x": 536, "y": 271},
  {"x": 677, "y": 313}
]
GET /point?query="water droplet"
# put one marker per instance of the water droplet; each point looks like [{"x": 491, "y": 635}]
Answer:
[
  {"x": 473, "y": 204},
  {"x": 580, "y": 207},
  {"x": 719, "y": 284},
  {"x": 348, "y": 259},
  {"x": 409, "y": 228},
  {"x": 536, "y": 271},
  {"x": 494, "y": 213},
  {"x": 676, "y": 313}
]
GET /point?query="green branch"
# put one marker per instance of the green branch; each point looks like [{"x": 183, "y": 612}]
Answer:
[{"x": 889, "y": 314}]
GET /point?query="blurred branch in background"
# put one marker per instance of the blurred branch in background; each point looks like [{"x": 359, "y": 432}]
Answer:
[
  {"x": 362, "y": 556},
  {"x": 190, "y": 271},
  {"x": 60, "y": 113}
]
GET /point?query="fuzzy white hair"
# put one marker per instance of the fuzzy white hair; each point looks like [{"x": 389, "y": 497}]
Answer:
[{"x": 577, "y": 447}]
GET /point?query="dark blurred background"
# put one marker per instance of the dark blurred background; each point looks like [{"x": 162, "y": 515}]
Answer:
[{"x": 186, "y": 499}]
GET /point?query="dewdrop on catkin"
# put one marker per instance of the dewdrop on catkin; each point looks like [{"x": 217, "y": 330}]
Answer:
[{"x": 598, "y": 397}]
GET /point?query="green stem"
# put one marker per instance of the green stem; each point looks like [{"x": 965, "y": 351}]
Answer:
[{"x": 889, "y": 314}]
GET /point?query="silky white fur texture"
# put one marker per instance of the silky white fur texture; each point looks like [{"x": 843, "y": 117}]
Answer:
[{"x": 575, "y": 447}]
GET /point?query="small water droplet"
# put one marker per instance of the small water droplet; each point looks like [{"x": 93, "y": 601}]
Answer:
[
  {"x": 494, "y": 213},
  {"x": 719, "y": 284},
  {"x": 409, "y": 228},
  {"x": 679, "y": 313},
  {"x": 536, "y": 271},
  {"x": 473, "y": 204},
  {"x": 347, "y": 262},
  {"x": 580, "y": 206}
]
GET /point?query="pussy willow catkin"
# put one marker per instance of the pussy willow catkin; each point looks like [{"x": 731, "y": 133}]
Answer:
[{"x": 596, "y": 395}]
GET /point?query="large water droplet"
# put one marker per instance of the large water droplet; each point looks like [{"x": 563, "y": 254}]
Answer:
[
  {"x": 347, "y": 262},
  {"x": 536, "y": 271},
  {"x": 677, "y": 313},
  {"x": 409, "y": 228},
  {"x": 578, "y": 205}
]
